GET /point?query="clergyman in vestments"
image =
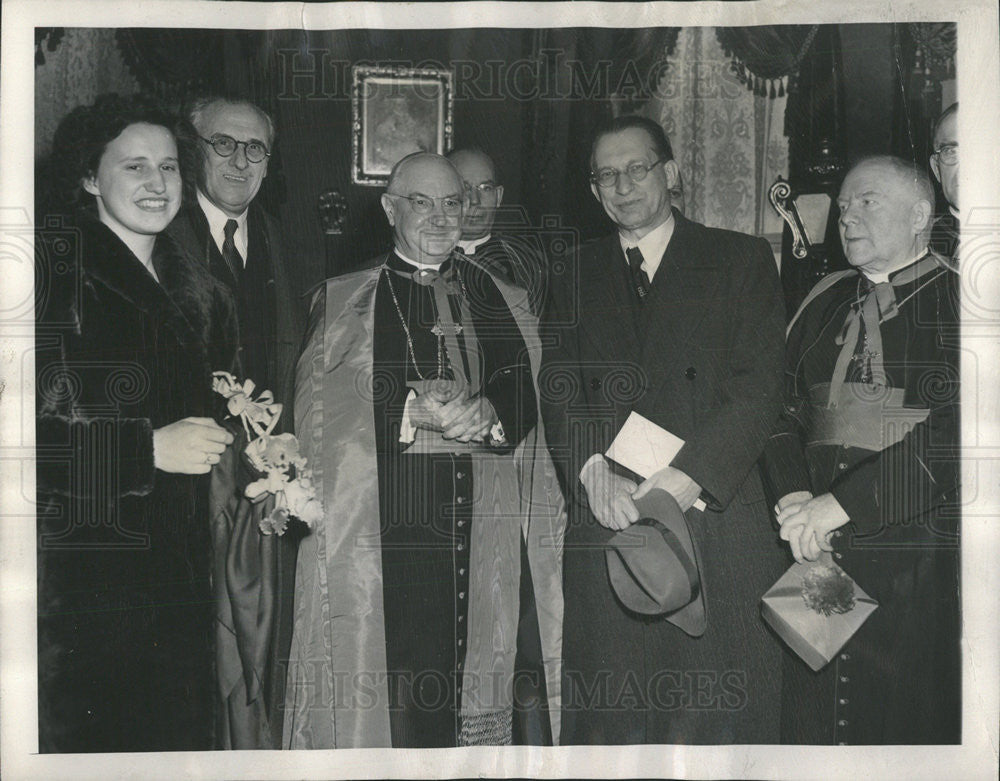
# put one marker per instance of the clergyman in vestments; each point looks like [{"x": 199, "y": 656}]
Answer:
[
  {"x": 865, "y": 463},
  {"x": 413, "y": 390}
]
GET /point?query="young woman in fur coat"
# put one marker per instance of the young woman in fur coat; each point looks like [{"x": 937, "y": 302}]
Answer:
[{"x": 128, "y": 334}]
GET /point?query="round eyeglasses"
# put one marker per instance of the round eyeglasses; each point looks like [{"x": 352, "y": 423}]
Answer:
[
  {"x": 226, "y": 146},
  {"x": 947, "y": 154},
  {"x": 485, "y": 189},
  {"x": 451, "y": 205},
  {"x": 608, "y": 177}
]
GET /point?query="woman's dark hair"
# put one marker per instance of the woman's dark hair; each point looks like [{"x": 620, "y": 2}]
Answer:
[{"x": 84, "y": 134}]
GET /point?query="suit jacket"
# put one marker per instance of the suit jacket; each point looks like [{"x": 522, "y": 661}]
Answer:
[
  {"x": 261, "y": 570},
  {"x": 284, "y": 313},
  {"x": 702, "y": 358}
]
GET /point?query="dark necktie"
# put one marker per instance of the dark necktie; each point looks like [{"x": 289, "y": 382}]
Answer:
[
  {"x": 640, "y": 280},
  {"x": 229, "y": 252}
]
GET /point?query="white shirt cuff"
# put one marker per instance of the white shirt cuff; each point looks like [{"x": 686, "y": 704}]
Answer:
[
  {"x": 407, "y": 431},
  {"x": 497, "y": 437},
  {"x": 592, "y": 460}
]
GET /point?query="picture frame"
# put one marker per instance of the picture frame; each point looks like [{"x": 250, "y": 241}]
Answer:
[{"x": 397, "y": 111}]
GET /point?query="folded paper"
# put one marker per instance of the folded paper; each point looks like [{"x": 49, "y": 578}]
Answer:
[{"x": 645, "y": 448}]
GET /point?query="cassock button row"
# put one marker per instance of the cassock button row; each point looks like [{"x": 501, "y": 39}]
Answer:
[
  {"x": 461, "y": 524},
  {"x": 843, "y": 701},
  {"x": 844, "y": 679},
  {"x": 845, "y": 657},
  {"x": 461, "y": 595},
  {"x": 841, "y": 466},
  {"x": 842, "y": 723},
  {"x": 461, "y": 570},
  {"x": 460, "y": 547},
  {"x": 460, "y": 500},
  {"x": 459, "y": 475},
  {"x": 460, "y": 641},
  {"x": 690, "y": 372},
  {"x": 461, "y": 618}
]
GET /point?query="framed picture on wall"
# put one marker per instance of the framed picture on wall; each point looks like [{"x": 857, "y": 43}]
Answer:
[{"x": 397, "y": 111}]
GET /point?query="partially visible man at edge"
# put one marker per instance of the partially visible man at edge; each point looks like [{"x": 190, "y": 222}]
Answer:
[
  {"x": 865, "y": 462},
  {"x": 944, "y": 166}
]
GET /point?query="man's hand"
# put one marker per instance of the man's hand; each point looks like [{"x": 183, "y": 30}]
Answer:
[
  {"x": 807, "y": 526},
  {"x": 610, "y": 496},
  {"x": 468, "y": 419},
  {"x": 425, "y": 412},
  {"x": 189, "y": 446},
  {"x": 674, "y": 482},
  {"x": 790, "y": 503}
]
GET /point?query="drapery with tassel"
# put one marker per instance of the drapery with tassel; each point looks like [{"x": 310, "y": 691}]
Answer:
[{"x": 767, "y": 58}]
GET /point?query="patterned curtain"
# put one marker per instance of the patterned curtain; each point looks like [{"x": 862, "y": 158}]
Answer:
[
  {"x": 86, "y": 63},
  {"x": 729, "y": 142}
]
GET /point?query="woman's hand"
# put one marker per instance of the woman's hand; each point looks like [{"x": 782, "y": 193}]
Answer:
[{"x": 189, "y": 446}]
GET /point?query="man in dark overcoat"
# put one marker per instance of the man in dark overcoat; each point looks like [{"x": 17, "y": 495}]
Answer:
[
  {"x": 683, "y": 325},
  {"x": 241, "y": 245}
]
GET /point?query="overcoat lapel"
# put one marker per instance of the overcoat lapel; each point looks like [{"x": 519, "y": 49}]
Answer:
[
  {"x": 607, "y": 313},
  {"x": 684, "y": 290}
]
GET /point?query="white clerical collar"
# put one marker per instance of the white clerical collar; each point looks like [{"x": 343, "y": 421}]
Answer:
[
  {"x": 470, "y": 246},
  {"x": 217, "y": 220},
  {"x": 652, "y": 245},
  {"x": 883, "y": 276},
  {"x": 417, "y": 263}
]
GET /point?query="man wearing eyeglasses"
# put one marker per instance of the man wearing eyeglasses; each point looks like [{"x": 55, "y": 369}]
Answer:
[
  {"x": 506, "y": 256},
  {"x": 241, "y": 245},
  {"x": 944, "y": 166},
  {"x": 513, "y": 261},
  {"x": 683, "y": 325},
  {"x": 413, "y": 391}
]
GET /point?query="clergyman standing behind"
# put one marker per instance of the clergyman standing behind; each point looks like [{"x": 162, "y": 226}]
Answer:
[{"x": 508, "y": 256}]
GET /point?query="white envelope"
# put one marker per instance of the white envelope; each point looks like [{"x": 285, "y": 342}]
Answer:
[{"x": 645, "y": 448}]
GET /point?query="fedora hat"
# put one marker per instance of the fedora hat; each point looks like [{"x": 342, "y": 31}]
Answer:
[{"x": 653, "y": 565}]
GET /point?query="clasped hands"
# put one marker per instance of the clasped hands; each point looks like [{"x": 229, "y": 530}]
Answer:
[
  {"x": 612, "y": 497},
  {"x": 461, "y": 418},
  {"x": 808, "y": 522}
]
